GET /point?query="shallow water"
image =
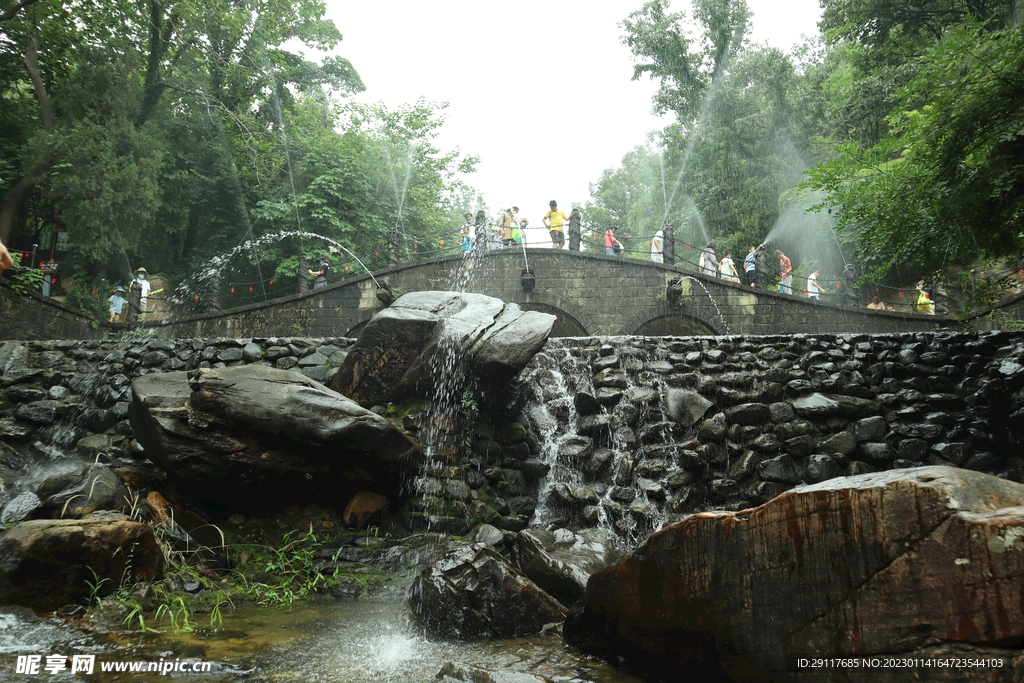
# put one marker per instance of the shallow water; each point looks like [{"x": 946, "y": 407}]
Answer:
[{"x": 337, "y": 642}]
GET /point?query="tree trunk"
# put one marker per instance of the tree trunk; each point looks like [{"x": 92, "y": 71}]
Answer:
[{"x": 13, "y": 196}]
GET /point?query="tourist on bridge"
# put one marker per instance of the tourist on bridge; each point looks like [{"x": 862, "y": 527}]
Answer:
[
  {"x": 658, "y": 247},
  {"x": 467, "y": 242},
  {"x": 813, "y": 290},
  {"x": 321, "y": 272},
  {"x": 141, "y": 283},
  {"x": 612, "y": 246},
  {"x": 554, "y": 219},
  {"x": 785, "y": 272},
  {"x": 117, "y": 302},
  {"x": 505, "y": 224},
  {"x": 517, "y": 231},
  {"x": 708, "y": 264},
  {"x": 728, "y": 269},
  {"x": 750, "y": 265}
]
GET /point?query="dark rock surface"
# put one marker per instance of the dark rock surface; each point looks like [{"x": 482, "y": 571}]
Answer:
[
  {"x": 889, "y": 564},
  {"x": 245, "y": 436},
  {"x": 561, "y": 562},
  {"x": 472, "y": 592},
  {"x": 410, "y": 346},
  {"x": 48, "y": 563}
]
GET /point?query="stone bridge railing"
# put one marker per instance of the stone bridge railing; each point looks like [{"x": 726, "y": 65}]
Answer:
[{"x": 591, "y": 294}]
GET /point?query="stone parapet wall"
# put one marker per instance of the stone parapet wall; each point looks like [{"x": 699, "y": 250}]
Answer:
[
  {"x": 590, "y": 293},
  {"x": 33, "y": 316}
]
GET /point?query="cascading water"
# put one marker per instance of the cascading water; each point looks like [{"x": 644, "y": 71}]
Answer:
[{"x": 595, "y": 406}]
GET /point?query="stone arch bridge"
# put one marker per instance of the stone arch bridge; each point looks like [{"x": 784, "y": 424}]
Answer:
[{"x": 591, "y": 294}]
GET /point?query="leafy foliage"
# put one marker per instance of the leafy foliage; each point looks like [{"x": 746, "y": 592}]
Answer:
[{"x": 948, "y": 183}]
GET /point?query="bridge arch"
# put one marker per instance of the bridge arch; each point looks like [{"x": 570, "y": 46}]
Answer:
[
  {"x": 590, "y": 294},
  {"x": 672, "y": 321}
]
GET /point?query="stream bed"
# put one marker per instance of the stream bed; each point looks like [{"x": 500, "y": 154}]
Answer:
[{"x": 338, "y": 642}]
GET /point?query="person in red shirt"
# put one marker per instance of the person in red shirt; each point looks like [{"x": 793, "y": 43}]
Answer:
[{"x": 785, "y": 273}]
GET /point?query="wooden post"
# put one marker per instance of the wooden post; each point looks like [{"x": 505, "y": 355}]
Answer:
[{"x": 303, "y": 272}]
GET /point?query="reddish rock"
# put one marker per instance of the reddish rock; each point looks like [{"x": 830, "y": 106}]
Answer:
[
  {"x": 361, "y": 509},
  {"x": 47, "y": 563},
  {"x": 923, "y": 561}
]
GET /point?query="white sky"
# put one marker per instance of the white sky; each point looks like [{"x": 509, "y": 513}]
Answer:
[{"x": 539, "y": 89}]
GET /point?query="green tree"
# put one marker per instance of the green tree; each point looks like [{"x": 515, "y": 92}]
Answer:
[
  {"x": 947, "y": 183},
  {"x": 686, "y": 65}
]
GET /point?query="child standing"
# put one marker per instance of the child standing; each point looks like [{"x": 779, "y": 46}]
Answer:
[{"x": 117, "y": 302}]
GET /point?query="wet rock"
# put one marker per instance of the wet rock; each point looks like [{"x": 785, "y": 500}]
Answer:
[
  {"x": 877, "y": 452},
  {"x": 943, "y": 535},
  {"x": 821, "y": 405},
  {"x": 99, "y": 489},
  {"x": 42, "y": 412},
  {"x": 781, "y": 470},
  {"x": 489, "y": 535},
  {"x": 20, "y": 508},
  {"x": 598, "y": 462},
  {"x": 566, "y": 493},
  {"x": 685, "y": 406},
  {"x": 535, "y": 469},
  {"x": 749, "y": 414},
  {"x": 843, "y": 442},
  {"x": 713, "y": 429},
  {"x": 473, "y": 593},
  {"x": 821, "y": 468},
  {"x": 561, "y": 562},
  {"x": 453, "y": 672},
  {"x": 869, "y": 429},
  {"x": 361, "y": 508},
  {"x": 244, "y": 435},
  {"x": 586, "y": 404},
  {"x": 405, "y": 346},
  {"x": 47, "y": 563},
  {"x": 611, "y": 378},
  {"x": 575, "y": 448},
  {"x": 955, "y": 453},
  {"x": 912, "y": 449}
]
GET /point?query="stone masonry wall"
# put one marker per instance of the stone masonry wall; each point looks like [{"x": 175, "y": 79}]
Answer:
[
  {"x": 33, "y": 316},
  {"x": 628, "y": 431},
  {"x": 639, "y": 431}
]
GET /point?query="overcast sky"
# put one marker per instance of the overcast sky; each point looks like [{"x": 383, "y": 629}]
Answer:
[{"x": 540, "y": 90}]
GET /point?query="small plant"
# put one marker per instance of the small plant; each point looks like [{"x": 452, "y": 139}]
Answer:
[
  {"x": 178, "y": 614},
  {"x": 95, "y": 586},
  {"x": 1004, "y": 321},
  {"x": 137, "y": 619},
  {"x": 26, "y": 280}
]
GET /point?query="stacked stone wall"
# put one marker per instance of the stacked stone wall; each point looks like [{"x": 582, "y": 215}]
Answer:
[
  {"x": 641, "y": 430},
  {"x": 613, "y": 442}
]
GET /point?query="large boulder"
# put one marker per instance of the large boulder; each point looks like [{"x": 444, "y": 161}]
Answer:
[
  {"x": 921, "y": 562},
  {"x": 561, "y": 561},
  {"x": 46, "y": 563},
  {"x": 473, "y": 593},
  {"x": 242, "y": 436},
  {"x": 426, "y": 337}
]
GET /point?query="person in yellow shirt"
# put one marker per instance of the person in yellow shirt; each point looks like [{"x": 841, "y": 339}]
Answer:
[{"x": 554, "y": 220}]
